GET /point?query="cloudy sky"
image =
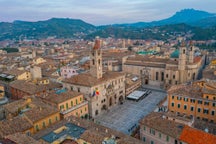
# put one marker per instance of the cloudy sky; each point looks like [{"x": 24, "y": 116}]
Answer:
[{"x": 98, "y": 12}]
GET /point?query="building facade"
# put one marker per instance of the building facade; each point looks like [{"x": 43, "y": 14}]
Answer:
[
  {"x": 165, "y": 71},
  {"x": 102, "y": 90},
  {"x": 197, "y": 99}
]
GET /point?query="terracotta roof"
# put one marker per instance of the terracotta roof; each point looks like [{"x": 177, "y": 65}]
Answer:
[
  {"x": 59, "y": 98},
  {"x": 158, "y": 122},
  {"x": 31, "y": 88},
  {"x": 20, "y": 138},
  {"x": 18, "y": 124},
  {"x": 40, "y": 111},
  {"x": 86, "y": 79},
  {"x": 15, "y": 72},
  {"x": 194, "y": 136}
]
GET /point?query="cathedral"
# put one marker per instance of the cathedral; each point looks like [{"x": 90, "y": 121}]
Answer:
[
  {"x": 103, "y": 90},
  {"x": 163, "y": 72}
]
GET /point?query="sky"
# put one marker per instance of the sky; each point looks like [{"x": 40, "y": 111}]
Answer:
[{"x": 98, "y": 12}]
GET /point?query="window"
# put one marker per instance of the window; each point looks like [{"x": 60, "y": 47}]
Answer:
[
  {"x": 206, "y": 103},
  {"x": 207, "y": 97},
  {"x": 37, "y": 128},
  {"x": 159, "y": 135},
  {"x": 213, "y": 113},
  {"x": 66, "y": 105},
  {"x": 173, "y": 97},
  {"x": 199, "y": 110},
  {"x": 179, "y": 105},
  {"x": 173, "y": 76},
  {"x": 179, "y": 98},
  {"x": 156, "y": 76},
  {"x": 144, "y": 139},
  {"x": 93, "y": 62},
  {"x": 205, "y": 111},
  {"x": 192, "y": 108},
  {"x": 183, "y": 51},
  {"x": 167, "y": 75},
  {"x": 81, "y": 111},
  {"x": 78, "y": 89},
  {"x": 186, "y": 99},
  {"x": 152, "y": 142},
  {"x": 71, "y": 103},
  {"x": 76, "y": 101},
  {"x": 192, "y": 100},
  {"x": 185, "y": 107},
  {"x": 152, "y": 131},
  {"x": 144, "y": 128},
  {"x": 56, "y": 118},
  {"x": 44, "y": 124},
  {"x": 71, "y": 88},
  {"x": 199, "y": 102},
  {"x": 76, "y": 113},
  {"x": 50, "y": 121},
  {"x": 80, "y": 98},
  {"x": 172, "y": 104},
  {"x": 162, "y": 76},
  {"x": 167, "y": 138},
  {"x": 85, "y": 109},
  {"x": 213, "y": 104},
  {"x": 176, "y": 82}
]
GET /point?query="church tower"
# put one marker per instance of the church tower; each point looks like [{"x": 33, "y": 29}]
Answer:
[
  {"x": 96, "y": 60},
  {"x": 182, "y": 62},
  {"x": 191, "y": 53}
]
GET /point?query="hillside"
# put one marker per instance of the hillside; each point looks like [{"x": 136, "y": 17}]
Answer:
[{"x": 55, "y": 27}]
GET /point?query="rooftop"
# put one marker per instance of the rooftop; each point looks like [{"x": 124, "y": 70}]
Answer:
[
  {"x": 86, "y": 79},
  {"x": 158, "y": 122},
  {"x": 61, "y": 97},
  {"x": 68, "y": 129},
  {"x": 194, "y": 136}
]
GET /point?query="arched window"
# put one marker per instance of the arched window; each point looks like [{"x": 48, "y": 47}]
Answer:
[
  {"x": 99, "y": 61},
  {"x": 183, "y": 51},
  {"x": 93, "y": 62},
  {"x": 162, "y": 76}
]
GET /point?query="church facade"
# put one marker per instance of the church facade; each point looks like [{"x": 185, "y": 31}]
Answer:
[{"x": 166, "y": 71}]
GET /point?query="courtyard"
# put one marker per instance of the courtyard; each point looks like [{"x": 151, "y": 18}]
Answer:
[{"x": 125, "y": 118}]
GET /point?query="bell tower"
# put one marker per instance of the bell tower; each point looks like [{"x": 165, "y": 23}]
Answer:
[
  {"x": 182, "y": 62},
  {"x": 191, "y": 52},
  {"x": 96, "y": 60}
]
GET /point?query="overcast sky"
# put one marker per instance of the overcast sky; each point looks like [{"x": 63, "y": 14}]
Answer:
[{"x": 98, "y": 12}]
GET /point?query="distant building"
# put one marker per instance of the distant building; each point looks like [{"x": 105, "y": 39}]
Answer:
[
  {"x": 68, "y": 72},
  {"x": 102, "y": 90},
  {"x": 197, "y": 99},
  {"x": 166, "y": 71}
]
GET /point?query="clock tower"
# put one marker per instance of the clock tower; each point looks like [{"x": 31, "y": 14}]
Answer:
[{"x": 96, "y": 60}]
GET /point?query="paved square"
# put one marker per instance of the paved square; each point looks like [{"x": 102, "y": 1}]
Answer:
[{"x": 126, "y": 117}]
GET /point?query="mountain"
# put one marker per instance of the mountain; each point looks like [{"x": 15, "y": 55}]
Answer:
[
  {"x": 187, "y": 16},
  {"x": 201, "y": 23},
  {"x": 56, "y": 27}
]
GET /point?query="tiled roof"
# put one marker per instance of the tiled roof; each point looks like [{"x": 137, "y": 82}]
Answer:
[
  {"x": 20, "y": 138},
  {"x": 86, "y": 79},
  {"x": 158, "y": 122},
  {"x": 18, "y": 124},
  {"x": 194, "y": 136},
  {"x": 59, "y": 98},
  {"x": 41, "y": 111},
  {"x": 31, "y": 88},
  {"x": 94, "y": 133},
  {"x": 15, "y": 72}
]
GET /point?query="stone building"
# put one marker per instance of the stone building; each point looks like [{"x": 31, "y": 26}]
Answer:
[
  {"x": 163, "y": 72},
  {"x": 102, "y": 90}
]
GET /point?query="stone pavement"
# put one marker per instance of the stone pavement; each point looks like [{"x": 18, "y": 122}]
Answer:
[{"x": 125, "y": 117}]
